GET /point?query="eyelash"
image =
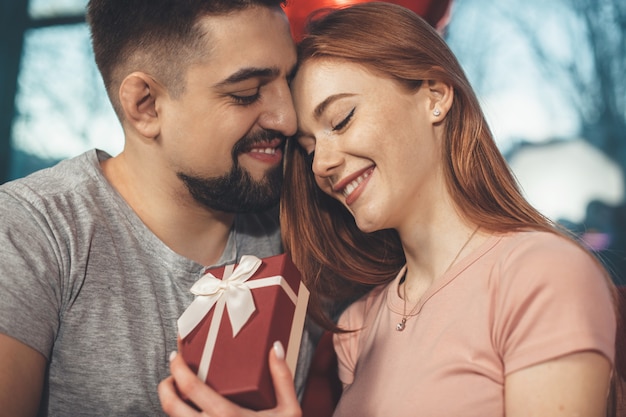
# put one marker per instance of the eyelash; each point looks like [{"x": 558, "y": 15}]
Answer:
[
  {"x": 246, "y": 100},
  {"x": 345, "y": 121},
  {"x": 308, "y": 158}
]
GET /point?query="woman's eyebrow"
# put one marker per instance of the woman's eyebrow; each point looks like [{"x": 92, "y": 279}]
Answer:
[{"x": 319, "y": 110}]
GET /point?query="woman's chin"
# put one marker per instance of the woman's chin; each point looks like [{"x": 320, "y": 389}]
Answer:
[{"x": 367, "y": 225}]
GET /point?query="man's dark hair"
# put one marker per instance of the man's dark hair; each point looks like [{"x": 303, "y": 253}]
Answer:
[{"x": 158, "y": 36}]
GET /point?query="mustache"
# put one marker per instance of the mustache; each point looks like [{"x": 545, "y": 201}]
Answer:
[{"x": 246, "y": 143}]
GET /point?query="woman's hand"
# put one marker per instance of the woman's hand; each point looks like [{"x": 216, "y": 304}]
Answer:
[{"x": 176, "y": 391}]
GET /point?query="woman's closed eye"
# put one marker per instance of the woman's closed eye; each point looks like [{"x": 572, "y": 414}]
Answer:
[{"x": 345, "y": 121}]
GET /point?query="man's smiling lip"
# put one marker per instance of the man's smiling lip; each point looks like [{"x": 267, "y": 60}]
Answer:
[
  {"x": 265, "y": 145},
  {"x": 268, "y": 151}
]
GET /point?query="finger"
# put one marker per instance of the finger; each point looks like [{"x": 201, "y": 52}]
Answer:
[
  {"x": 283, "y": 381},
  {"x": 171, "y": 403},
  {"x": 198, "y": 392}
]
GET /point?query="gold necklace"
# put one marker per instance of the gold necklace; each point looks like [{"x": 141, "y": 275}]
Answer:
[{"x": 402, "y": 324}]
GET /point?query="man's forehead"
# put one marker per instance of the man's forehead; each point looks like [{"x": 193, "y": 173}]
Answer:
[
  {"x": 254, "y": 38},
  {"x": 252, "y": 26}
]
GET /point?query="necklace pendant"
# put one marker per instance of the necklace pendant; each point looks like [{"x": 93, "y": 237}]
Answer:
[{"x": 400, "y": 326}]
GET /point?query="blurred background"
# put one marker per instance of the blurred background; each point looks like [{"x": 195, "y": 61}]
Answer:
[{"x": 551, "y": 77}]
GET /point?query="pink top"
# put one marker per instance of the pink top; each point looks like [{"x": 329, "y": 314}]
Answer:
[{"x": 517, "y": 300}]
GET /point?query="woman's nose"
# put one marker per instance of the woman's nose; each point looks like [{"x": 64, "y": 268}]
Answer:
[{"x": 327, "y": 158}]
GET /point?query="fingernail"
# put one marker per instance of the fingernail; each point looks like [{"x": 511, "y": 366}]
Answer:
[
  {"x": 173, "y": 355},
  {"x": 279, "y": 350}
]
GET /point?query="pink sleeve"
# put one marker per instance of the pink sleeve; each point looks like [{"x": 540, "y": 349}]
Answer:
[
  {"x": 347, "y": 344},
  {"x": 552, "y": 300}
]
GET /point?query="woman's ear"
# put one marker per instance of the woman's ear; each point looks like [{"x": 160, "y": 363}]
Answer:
[
  {"x": 441, "y": 96},
  {"x": 138, "y": 95}
]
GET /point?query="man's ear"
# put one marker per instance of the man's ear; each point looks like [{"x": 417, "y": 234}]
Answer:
[
  {"x": 441, "y": 96},
  {"x": 138, "y": 95}
]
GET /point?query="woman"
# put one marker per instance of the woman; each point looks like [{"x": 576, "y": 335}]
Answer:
[
  {"x": 496, "y": 311},
  {"x": 482, "y": 307}
]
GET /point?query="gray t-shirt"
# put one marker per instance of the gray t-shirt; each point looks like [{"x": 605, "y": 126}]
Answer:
[{"x": 87, "y": 284}]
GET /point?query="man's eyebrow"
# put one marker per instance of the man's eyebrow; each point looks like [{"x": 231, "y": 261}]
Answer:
[
  {"x": 319, "y": 110},
  {"x": 246, "y": 74}
]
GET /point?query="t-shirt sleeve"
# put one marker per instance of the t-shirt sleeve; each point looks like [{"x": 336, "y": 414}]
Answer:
[
  {"x": 29, "y": 275},
  {"x": 553, "y": 300},
  {"x": 347, "y": 344}
]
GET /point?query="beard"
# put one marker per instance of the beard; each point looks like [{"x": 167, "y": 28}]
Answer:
[{"x": 236, "y": 191}]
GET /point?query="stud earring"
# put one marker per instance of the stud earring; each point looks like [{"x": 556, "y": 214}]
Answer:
[{"x": 436, "y": 112}]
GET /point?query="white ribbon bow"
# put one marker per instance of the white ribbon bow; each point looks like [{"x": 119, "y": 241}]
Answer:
[{"x": 231, "y": 288}]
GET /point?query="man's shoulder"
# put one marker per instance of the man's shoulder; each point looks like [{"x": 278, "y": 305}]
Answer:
[
  {"x": 64, "y": 189},
  {"x": 65, "y": 176}
]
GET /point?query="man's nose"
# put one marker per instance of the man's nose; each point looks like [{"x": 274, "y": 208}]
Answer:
[{"x": 279, "y": 113}]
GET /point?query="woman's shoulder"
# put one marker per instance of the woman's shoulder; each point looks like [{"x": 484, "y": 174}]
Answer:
[
  {"x": 547, "y": 260},
  {"x": 539, "y": 245}
]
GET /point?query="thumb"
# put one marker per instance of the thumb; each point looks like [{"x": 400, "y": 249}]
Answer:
[{"x": 283, "y": 381}]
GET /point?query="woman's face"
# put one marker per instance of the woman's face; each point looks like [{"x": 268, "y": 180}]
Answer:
[{"x": 374, "y": 142}]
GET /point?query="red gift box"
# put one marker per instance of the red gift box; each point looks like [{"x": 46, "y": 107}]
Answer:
[{"x": 238, "y": 313}]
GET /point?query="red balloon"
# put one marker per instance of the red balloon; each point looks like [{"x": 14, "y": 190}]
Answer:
[{"x": 434, "y": 12}]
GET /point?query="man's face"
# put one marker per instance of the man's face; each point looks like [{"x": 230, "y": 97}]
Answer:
[{"x": 225, "y": 134}]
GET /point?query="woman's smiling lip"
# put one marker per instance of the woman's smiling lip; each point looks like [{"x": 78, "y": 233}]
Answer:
[{"x": 352, "y": 186}]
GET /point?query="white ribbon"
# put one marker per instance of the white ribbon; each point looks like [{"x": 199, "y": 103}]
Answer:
[
  {"x": 232, "y": 288},
  {"x": 232, "y": 292}
]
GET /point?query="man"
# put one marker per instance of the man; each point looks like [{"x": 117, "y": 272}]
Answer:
[{"x": 99, "y": 253}]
